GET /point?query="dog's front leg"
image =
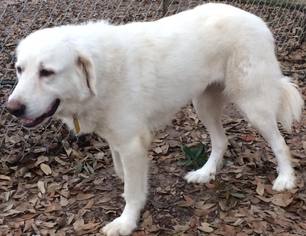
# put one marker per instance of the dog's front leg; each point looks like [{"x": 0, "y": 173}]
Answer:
[
  {"x": 135, "y": 169},
  {"x": 117, "y": 162}
]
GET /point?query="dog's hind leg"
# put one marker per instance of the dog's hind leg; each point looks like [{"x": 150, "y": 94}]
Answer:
[
  {"x": 261, "y": 115},
  {"x": 255, "y": 83},
  {"x": 209, "y": 107},
  {"x": 134, "y": 160},
  {"x": 117, "y": 163}
]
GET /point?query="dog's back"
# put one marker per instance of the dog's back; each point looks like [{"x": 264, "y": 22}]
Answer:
[{"x": 172, "y": 60}]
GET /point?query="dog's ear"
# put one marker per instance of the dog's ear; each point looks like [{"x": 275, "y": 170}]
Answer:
[{"x": 86, "y": 66}]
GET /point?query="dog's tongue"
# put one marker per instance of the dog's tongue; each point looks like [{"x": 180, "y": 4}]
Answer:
[
  {"x": 27, "y": 121},
  {"x": 32, "y": 122}
]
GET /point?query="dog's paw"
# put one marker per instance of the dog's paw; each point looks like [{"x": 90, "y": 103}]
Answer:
[
  {"x": 200, "y": 176},
  {"x": 119, "y": 226},
  {"x": 284, "y": 182}
]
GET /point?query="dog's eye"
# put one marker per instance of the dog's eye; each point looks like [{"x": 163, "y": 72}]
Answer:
[
  {"x": 19, "y": 69},
  {"x": 46, "y": 73}
]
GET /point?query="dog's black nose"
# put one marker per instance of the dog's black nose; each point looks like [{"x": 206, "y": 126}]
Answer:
[{"x": 16, "y": 108}]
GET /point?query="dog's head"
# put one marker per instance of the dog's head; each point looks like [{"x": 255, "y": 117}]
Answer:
[{"x": 51, "y": 71}]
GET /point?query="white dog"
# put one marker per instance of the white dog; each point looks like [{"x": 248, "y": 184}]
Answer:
[{"x": 124, "y": 81}]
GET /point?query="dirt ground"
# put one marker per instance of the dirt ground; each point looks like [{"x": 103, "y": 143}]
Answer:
[{"x": 53, "y": 183}]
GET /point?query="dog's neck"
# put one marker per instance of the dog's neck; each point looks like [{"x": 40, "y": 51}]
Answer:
[{"x": 93, "y": 110}]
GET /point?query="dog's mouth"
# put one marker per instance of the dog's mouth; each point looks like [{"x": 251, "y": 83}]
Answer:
[{"x": 29, "y": 123}]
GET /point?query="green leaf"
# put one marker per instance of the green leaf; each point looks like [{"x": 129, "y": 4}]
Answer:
[
  {"x": 188, "y": 152},
  {"x": 198, "y": 150},
  {"x": 196, "y": 156}
]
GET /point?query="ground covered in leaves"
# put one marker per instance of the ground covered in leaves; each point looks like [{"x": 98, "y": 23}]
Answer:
[{"x": 53, "y": 183}]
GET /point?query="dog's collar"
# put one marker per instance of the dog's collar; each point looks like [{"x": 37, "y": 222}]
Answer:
[{"x": 76, "y": 124}]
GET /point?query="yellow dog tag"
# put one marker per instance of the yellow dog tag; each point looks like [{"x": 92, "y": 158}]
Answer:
[{"x": 76, "y": 124}]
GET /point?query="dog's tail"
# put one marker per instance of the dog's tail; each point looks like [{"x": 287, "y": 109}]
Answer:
[{"x": 291, "y": 104}]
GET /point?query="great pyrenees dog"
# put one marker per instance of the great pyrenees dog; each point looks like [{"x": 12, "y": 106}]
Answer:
[{"x": 124, "y": 81}]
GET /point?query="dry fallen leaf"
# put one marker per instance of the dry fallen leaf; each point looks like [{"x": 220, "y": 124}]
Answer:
[
  {"x": 158, "y": 150},
  {"x": 248, "y": 137},
  {"x": 11, "y": 213},
  {"x": 78, "y": 224},
  {"x": 28, "y": 225},
  {"x": 282, "y": 199},
  {"x": 147, "y": 220},
  {"x": 259, "y": 226},
  {"x": 4, "y": 177},
  {"x": 41, "y": 186},
  {"x": 63, "y": 201},
  {"x": 229, "y": 230},
  {"x": 41, "y": 159},
  {"x": 205, "y": 227},
  {"x": 49, "y": 224},
  {"x": 60, "y": 161},
  {"x": 70, "y": 218},
  {"x": 260, "y": 189},
  {"x": 81, "y": 228},
  {"x": 46, "y": 169},
  {"x": 8, "y": 207},
  {"x": 89, "y": 204},
  {"x": 84, "y": 196},
  {"x": 53, "y": 207},
  {"x": 181, "y": 228}
]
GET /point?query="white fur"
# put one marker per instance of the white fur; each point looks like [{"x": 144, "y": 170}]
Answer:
[{"x": 140, "y": 74}]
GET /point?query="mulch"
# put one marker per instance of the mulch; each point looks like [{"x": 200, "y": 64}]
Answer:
[{"x": 53, "y": 183}]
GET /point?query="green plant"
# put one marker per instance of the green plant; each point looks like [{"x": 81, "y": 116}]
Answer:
[{"x": 196, "y": 156}]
